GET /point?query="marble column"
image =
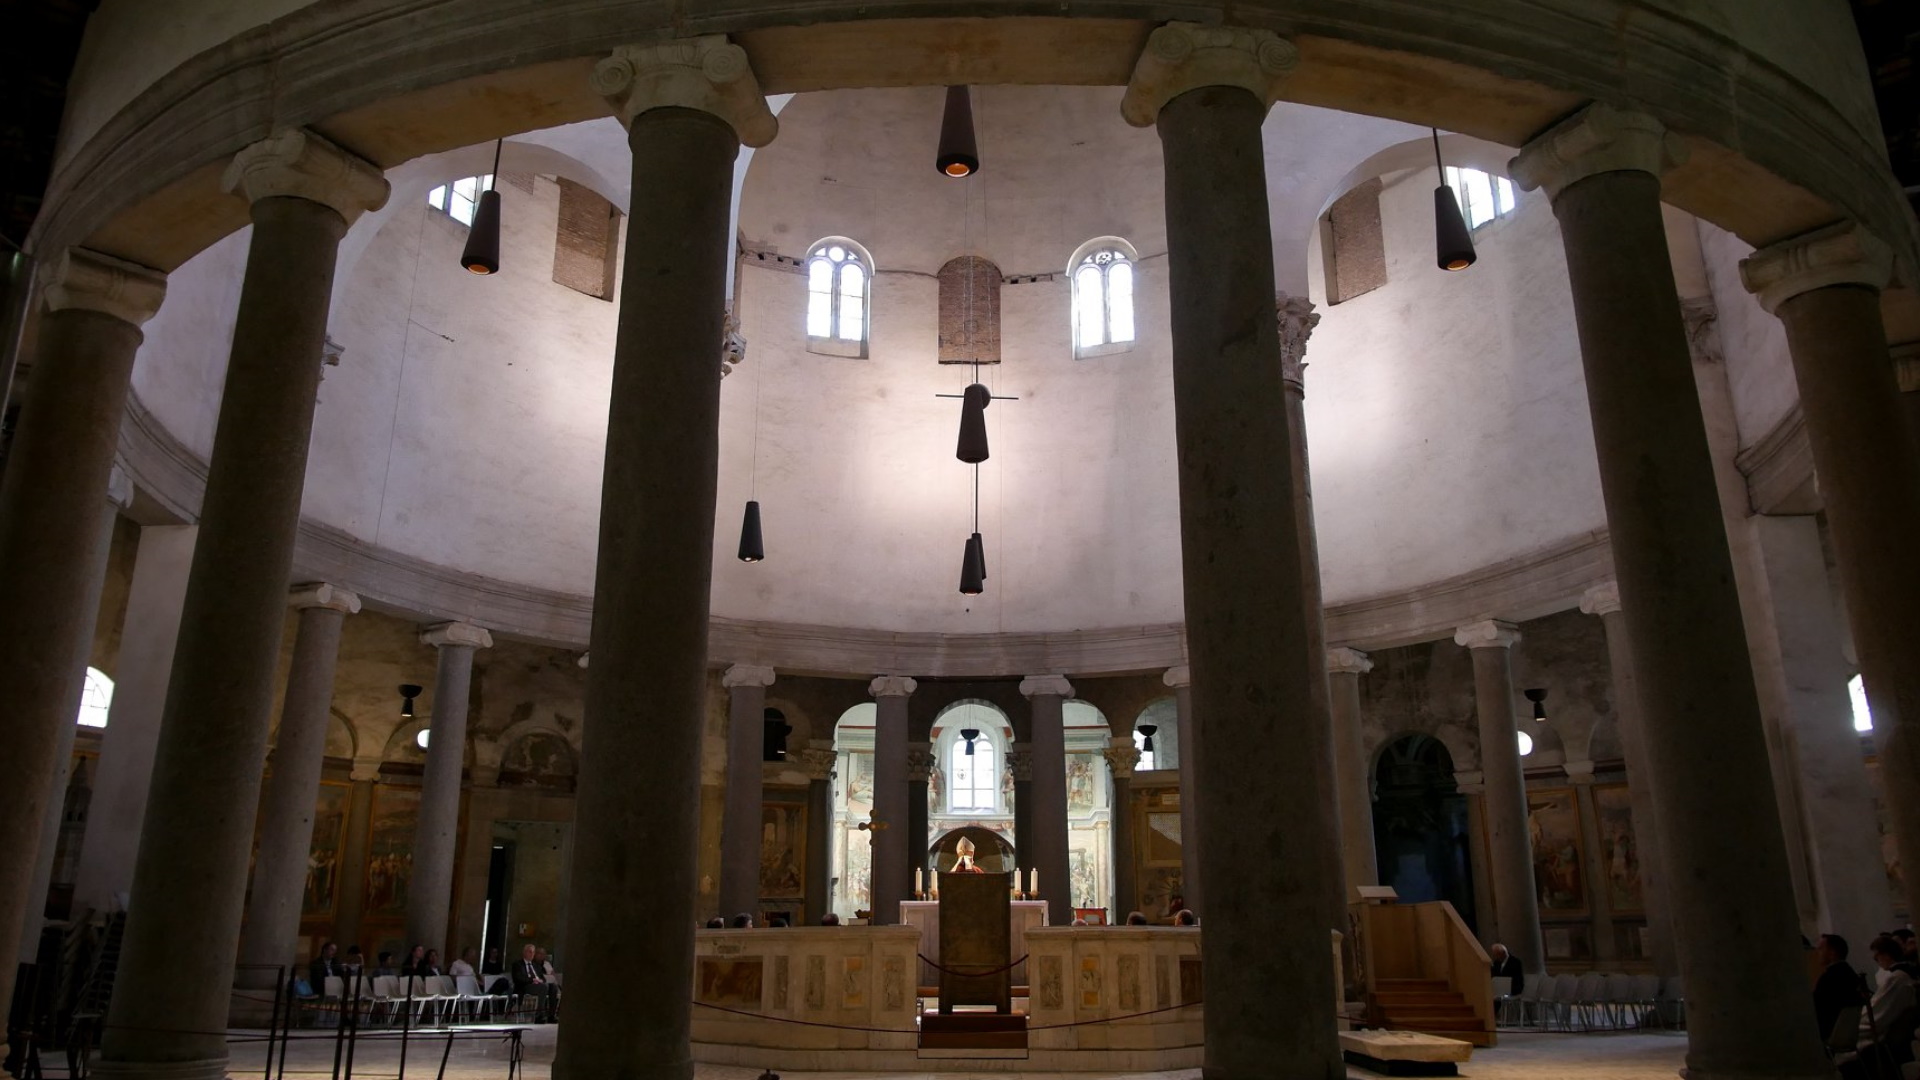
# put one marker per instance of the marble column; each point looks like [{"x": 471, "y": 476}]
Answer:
[
  {"x": 1047, "y": 822},
  {"x": 151, "y": 628},
  {"x": 746, "y": 687},
  {"x": 1825, "y": 288},
  {"x": 1020, "y": 764},
  {"x": 293, "y": 788},
  {"x": 1269, "y": 832},
  {"x": 1733, "y": 910},
  {"x": 353, "y": 853},
  {"x": 1593, "y": 867},
  {"x": 1181, "y": 680},
  {"x": 53, "y": 541},
  {"x": 1353, "y": 778},
  {"x": 1516, "y": 905},
  {"x": 436, "y": 833},
  {"x": 817, "y": 762},
  {"x": 1472, "y": 786},
  {"x": 53, "y": 818},
  {"x": 688, "y": 104},
  {"x": 919, "y": 770},
  {"x": 892, "y": 881},
  {"x": 1603, "y": 600},
  {"x": 1122, "y": 756}
]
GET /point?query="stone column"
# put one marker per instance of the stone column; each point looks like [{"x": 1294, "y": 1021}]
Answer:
[
  {"x": 1599, "y": 904},
  {"x": 161, "y": 562},
  {"x": 53, "y": 541},
  {"x": 892, "y": 880},
  {"x": 1604, "y": 600},
  {"x": 1047, "y": 823},
  {"x": 1020, "y": 764},
  {"x": 53, "y": 818},
  {"x": 353, "y": 853},
  {"x": 740, "y": 822},
  {"x": 1269, "y": 832},
  {"x": 1825, "y": 288},
  {"x": 1472, "y": 785},
  {"x": 1122, "y": 756},
  {"x": 919, "y": 770},
  {"x": 688, "y": 104},
  {"x": 304, "y": 192},
  {"x": 1733, "y": 909},
  {"x": 1352, "y": 777},
  {"x": 293, "y": 789},
  {"x": 1516, "y": 905},
  {"x": 817, "y": 761},
  {"x": 436, "y": 833},
  {"x": 1181, "y": 680}
]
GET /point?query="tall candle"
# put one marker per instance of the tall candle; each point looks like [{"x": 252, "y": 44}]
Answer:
[
  {"x": 1033, "y": 882},
  {"x": 919, "y": 883}
]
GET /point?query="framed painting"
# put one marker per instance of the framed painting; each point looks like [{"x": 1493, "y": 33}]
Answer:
[
  {"x": 396, "y": 810},
  {"x": 783, "y": 850},
  {"x": 1619, "y": 847},
  {"x": 1553, "y": 824},
  {"x": 323, "y": 856}
]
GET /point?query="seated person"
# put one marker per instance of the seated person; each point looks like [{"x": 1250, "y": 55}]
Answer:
[
  {"x": 1136, "y": 918},
  {"x": 530, "y": 981},
  {"x": 1838, "y": 985},
  {"x": 963, "y": 863},
  {"x": 1185, "y": 917},
  {"x": 1507, "y": 966},
  {"x": 1887, "y": 1023},
  {"x": 743, "y": 921},
  {"x": 324, "y": 965},
  {"x": 830, "y": 919},
  {"x": 493, "y": 974},
  {"x": 1909, "y": 961},
  {"x": 464, "y": 965},
  {"x": 716, "y": 923},
  {"x": 383, "y": 965}
]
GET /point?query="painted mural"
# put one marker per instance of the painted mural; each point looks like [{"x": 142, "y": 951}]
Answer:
[
  {"x": 323, "y": 856},
  {"x": 1553, "y": 823},
  {"x": 1619, "y": 847},
  {"x": 783, "y": 850},
  {"x": 396, "y": 810}
]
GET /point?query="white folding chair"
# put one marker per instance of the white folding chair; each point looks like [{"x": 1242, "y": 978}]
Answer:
[
  {"x": 1566, "y": 1002},
  {"x": 475, "y": 1003},
  {"x": 1590, "y": 1000},
  {"x": 1502, "y": 996},
  {"x": 1673, "y": 1002},
  {"x": 385, "y": 996},
  {"x": 1536, "y": 1000}
]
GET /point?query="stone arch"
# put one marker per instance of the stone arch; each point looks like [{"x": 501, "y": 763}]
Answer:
[
  {"x": 342, "y": 741},
  {"x": 538, "y": 757},
  {"x": 992, "y": 850}
]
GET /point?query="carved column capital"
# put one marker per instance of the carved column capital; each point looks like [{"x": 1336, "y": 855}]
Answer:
[
  {"x": 443, "y": 634},
  {"x": 891, "y": 686},
  {"x": 364, "y": 769},
  {"x": 1053, "y": 685},
  {"x": 1297, "y": 320},
  {"x": 1598, "y": 139},
  {"x": 733, "y": 344},
  {"x": 1601, "y": 599},
  {"x": 1021, "y": 763},
  {"x": 1122, "y": 757},
  {"x": 119, "y": 487},
  {"x": 83, "y": 280},
  {"x": 919, "y": 762},
  {"x": 1840, "y": 254},
  {"x": 747, "y": 675},
  {"x": 1580, "y": 772},
  {"x": 817, "y": 761},
  {"x": 1183, "y": 56},
  {"x": 708, "y": 73},
  {"x": 1470, "y": 781},
  {"x": 1906, "y": 366},
  {"x": 319, "y": 594},
  {"x": 1177, "y": 677},
  {"x": 1344, "y": 661},
  {"x": 1487, "y": 634},
  {"x": 298, "y": 164},
  {"x": 1701, "y": 320}
]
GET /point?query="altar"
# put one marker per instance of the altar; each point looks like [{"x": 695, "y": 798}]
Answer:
[{"x": 924, "y": 916}]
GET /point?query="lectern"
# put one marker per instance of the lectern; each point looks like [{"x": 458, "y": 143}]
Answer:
[{"x": 976, "y": 941}]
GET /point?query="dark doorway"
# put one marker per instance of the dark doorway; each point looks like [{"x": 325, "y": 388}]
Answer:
[
  {"x": 493, "y": 932},
  {"x": 1420, "y": 824}
]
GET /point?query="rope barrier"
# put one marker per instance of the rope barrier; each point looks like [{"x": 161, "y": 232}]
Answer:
[
  {"x": 908, "y": 1031},
  {"x": 971, "y": 974}
]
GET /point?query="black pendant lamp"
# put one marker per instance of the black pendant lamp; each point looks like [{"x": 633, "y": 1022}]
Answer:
[
  {"x": 972, "y": 447},
  {"x": 1146, "y": 736},
  {"x": 482, "y": 254},
  {"x": 408, "y": 692},
  {"x": 751, "y": 548},
  {"x": 1539, "y": 698},
  {"x": 973, "y": 567},
  {"x": 959, "y": 155},
  {"x": 1452, "y": 240},
  {"x": 969, "y": 734}
]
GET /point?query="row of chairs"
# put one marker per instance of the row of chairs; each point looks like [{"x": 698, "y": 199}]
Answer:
[
  {"x": 419, "y": 999},
  {"x": 1592, "y": 1001}
]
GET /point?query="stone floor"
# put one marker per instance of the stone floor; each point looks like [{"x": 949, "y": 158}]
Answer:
[{"x": 1520, "y": 1056}]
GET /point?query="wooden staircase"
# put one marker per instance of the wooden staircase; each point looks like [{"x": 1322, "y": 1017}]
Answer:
[{"x": 1427, "y": 1006}]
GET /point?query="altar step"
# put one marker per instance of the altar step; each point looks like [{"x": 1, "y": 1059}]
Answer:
[
  {"x": 973, "y": 1031},
  {"x": 1428, "y": 1006}
]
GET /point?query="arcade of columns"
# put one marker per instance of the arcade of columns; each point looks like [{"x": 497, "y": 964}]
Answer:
[{"x": 1691, "y": 722}]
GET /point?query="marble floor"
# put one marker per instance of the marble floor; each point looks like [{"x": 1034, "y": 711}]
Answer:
[{"x": 1520, "y": 1056}]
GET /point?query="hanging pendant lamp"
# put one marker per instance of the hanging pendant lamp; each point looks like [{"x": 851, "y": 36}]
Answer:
[
  {"x": 408, "y": 692},
  {"x": 1146, "y": 736},
  {"x": 969, "y": 734},
  {"x": 973, "y": 568},
  {"x": 959, "y": 155},
  {"x": 482, "y": 254},
  {"x": 1539, "y": 698},
  {"x": 972, "y": 447},
  {"x": 1452, "y": 240},
  {"x": 751, "y": 548}
]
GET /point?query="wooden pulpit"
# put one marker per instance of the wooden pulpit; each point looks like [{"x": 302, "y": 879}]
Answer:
[{"x": 976, "y": 941}]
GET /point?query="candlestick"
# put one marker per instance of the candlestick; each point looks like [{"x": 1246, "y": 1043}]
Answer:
[
  {"x": 919, "y": 883},
  {"x": 1033, "y": 882}
]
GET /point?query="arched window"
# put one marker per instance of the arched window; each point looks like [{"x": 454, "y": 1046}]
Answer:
[
  {"x": 1856, "y": 691},
  {"x": 96, "y": 699},
  {"x": 1146, "y": 762},
  {"x": 973, "y": 780},
  {"x": 839, "y": 285},
  {"x": 458, "y": 199},
  {"x": 1102, "y": 298},
  {"x": 1483, "y": 196}
]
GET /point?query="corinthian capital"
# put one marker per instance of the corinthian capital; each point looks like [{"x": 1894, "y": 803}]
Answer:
[
  {"x": 708, "y": 73},
  {"x": 298, "y": 164},
  {"x": 1122, "y": 757},
  {"x": 1182, "y": 56},
  {"x": 1297, "y": 320}
]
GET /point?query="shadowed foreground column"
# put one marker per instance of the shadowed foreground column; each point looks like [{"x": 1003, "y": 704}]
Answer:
[
  {"x": 190, "y": 879},
  {"x": 53, "y": 540},
  {"x": 1121, "y": 757},
  {"x": 1351, "y": 779},
  {"x": 292, "y": 791},
  {"x": 1825, "y": 287},
  {"x": 688, "y": 105},
  {"x": 889, "y": 880},
  {"x": 1748, "y": 1011},
  {"x": 1268, "y": 839},
  {"x": 1181, "y": 680},
  {"x": 1047, "y": 697},
  {"x": 818, "y": 761}
]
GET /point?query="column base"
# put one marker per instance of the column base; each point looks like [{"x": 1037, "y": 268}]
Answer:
[{"x": 203, "y": 1069}]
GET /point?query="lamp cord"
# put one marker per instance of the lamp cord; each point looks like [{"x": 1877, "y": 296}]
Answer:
[
  {"x": 1438, "y": 166},
  {"x": 493, "y": 178}
]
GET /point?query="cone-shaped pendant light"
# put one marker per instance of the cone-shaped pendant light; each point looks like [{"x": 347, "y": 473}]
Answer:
[
  {"x": 1147, "y": 731},
  {"x": 959, "y": 155},
  {"x": 751, "y": 547},
  {"x": 1452, "y": 240},
  {"x": 482, "y": 254},
  {"x": 972, "y": 448},
  {"x": 973, "y": 567}
]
